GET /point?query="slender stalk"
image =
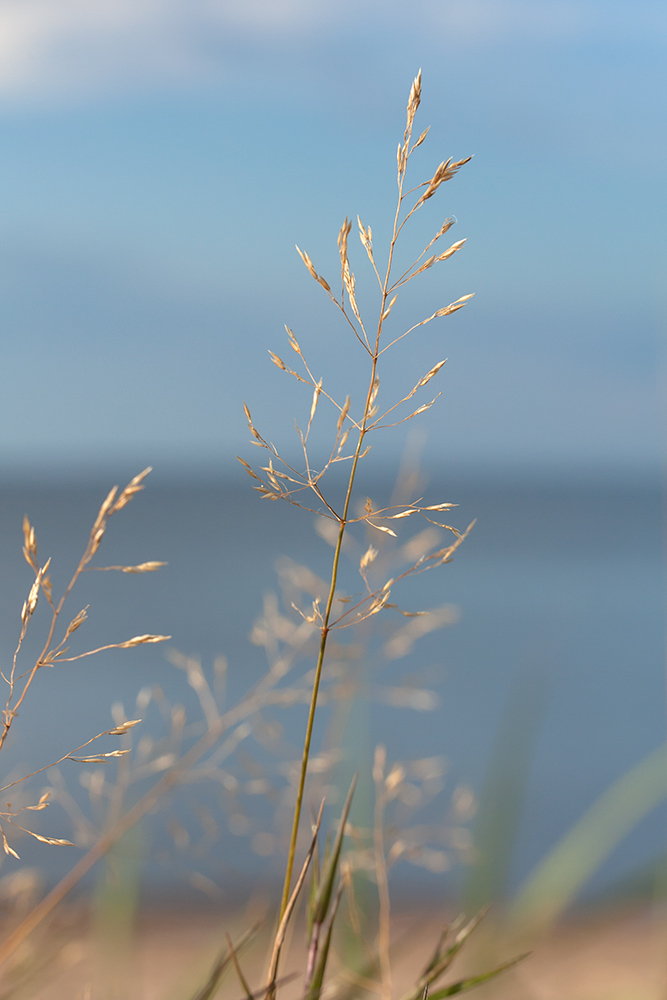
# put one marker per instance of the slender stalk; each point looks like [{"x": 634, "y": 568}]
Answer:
[
  {"x": 320, "y": 658},
  {"x": 381, "y": 872},
  {"x": 343, "y": 521}
]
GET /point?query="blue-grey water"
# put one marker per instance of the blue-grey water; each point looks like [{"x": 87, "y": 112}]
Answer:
[{"x": 561, "y": 592}]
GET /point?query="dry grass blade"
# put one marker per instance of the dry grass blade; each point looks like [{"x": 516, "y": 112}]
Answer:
[{"x": 237, "y": 968}]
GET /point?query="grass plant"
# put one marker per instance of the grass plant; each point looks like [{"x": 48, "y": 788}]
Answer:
[
  {"x": 302, "y": 483},
  {"x": 320, "y": 612}
]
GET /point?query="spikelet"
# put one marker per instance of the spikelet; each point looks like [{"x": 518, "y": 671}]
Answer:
[
  {"x": 135, "y": 486},
  {"x": 445, "y": 172},
  {"x": 309, "y": 264}
]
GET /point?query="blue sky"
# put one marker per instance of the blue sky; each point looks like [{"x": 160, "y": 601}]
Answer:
[{"x": 162, "y": 157}]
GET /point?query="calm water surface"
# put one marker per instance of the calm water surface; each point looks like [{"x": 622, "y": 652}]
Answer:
[{"x": 561, "y": 591}]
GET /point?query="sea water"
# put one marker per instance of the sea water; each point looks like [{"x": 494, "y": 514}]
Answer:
[{"x": 561, "y": 640}]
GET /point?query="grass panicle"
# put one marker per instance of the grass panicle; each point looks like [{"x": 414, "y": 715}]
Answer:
[{"x": 303, "y": 485}]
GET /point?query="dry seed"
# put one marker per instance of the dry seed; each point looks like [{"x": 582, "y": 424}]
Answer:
[
  {"x": 429, "y": 375},
  {"x": 278, "y": 361}
]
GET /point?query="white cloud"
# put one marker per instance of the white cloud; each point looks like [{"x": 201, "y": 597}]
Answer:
[
  {"x": 58, "y": 49},
  {"x": 51, "y": 49}
]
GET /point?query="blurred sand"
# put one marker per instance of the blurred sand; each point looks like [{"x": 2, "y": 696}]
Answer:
[{"x": 620, "y": 955}]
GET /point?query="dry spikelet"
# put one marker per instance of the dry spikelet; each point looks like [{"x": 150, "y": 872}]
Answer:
[
  {"x": 30, "y": 544},
  {"x": 429, "y": 262},
  {"x": 104, "y": 510},
  {"x": 98, "y": 758},
  {"x": 76, "y": 622},
  {"x": 253, "y": 430},
  {"x": 30, "y": 604},
  {"x": 278, "y": 361},
  {"x": 385, "y": 314},
  {"x": 313, "y": 405},
  {"x": 145, "y": 567},
  {"x": 381, "y": 527},
  {"x": 423, "y": 408},
  {"x": 309, "y": 264},
  {"x": 445, "y": 172},
  {"x": 347, "y": 276},
  {"x": 414, "y": 99},
  {"x": 451, "y": 250},
  {"x": 276, "y": 473},
  {"x": 247, "y": 467},
  {"x": 342, "y": 240},
  {"x": 55, "y": 841},
  {"x": 134, "y": 486},
  {"x": 453, "y": 307},
  {"x": 437, "y": 258},
  {"x": 366, "y": 237},
  {"x": 293, "y": 341},
  {"x": 379, "y": 602},
  {"x": 421, "y": 138},
  {"x": 140, "y": 640},
  {"x": 343, "y": 413},
  {"x": 123, "y": 728},
  {"x": 7, "y": 848},
  {"x": 43, "y": 803},
  {"x": 95, "y": 540},
  {"x": 368, "y": 557},
  {"x": 429, "y": 375}
]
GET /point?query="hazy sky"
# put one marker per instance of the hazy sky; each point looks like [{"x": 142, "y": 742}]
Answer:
[{"x": 160, "y": 159}]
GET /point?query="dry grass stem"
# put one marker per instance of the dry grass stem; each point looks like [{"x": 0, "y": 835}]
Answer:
[{"x": 282, "y": 480}]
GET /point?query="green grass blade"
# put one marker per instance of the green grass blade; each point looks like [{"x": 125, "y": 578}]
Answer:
[
  {"x": 329, "y": 873},
  {"x": 440, "y": 961},
  {"x": 464, "y": 985},
  {"x": 315, "y": 987},
  {"x": 553, "y": 885}
]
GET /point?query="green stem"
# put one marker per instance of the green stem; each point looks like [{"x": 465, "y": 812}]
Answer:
[
  {"x": 320, "y": 658},
  {"x": 334, "y": 570}
]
